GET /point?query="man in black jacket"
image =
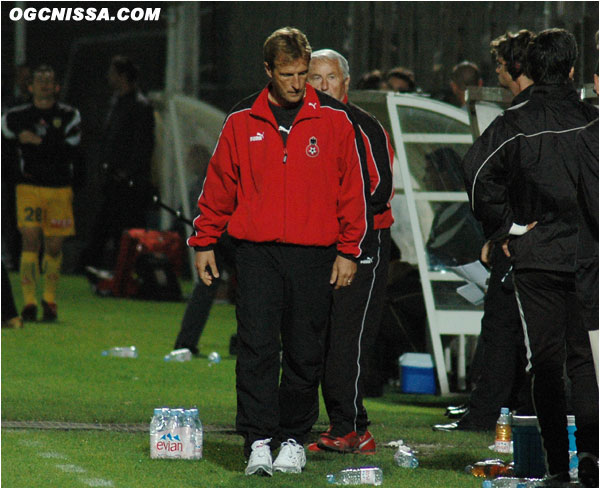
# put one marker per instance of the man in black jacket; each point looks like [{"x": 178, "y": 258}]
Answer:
[
  {"x": 498, "y": 369},
  {"x": 356, "y": 310},
  {"x": 127, "y": 146},
  {"x": 521, "y": 176}
]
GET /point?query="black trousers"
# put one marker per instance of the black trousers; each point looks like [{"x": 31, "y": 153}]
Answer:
[
  {"x": 554, "y": 334},
  {"x": 202, "y": 298},
  {"x": 499, "y": 365},
  {"x": 122, "y": 208},
  {"x": 282, "y": 304},
  {"x": 355, "y": 319},
  {"x": 9, "y": 310}
]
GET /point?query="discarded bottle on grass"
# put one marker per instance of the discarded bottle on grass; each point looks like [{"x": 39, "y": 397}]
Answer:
[
  {"x": 512, "y": 482},
  {"x": 503, "y": 432},
  {"x": 404, "y": 457},
  {"x": 180, "y": 355},
  {"x": 121, "y": 351},
  {"x": 213, "y": 358},
  {"x": 353, "y": 476},
  {"x": 490, "y": 468}
]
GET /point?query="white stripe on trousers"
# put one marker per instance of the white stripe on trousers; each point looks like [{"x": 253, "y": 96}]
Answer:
[{"x": 362, "y": 327}]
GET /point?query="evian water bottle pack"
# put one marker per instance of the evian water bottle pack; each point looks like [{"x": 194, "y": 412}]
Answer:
[{"x": 176, "y": 433}]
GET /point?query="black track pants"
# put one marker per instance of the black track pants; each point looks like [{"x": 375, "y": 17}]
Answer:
[
  {"x": 500, "y": 377},
  {"x": 283, "y": 299},
  {"x": 554, "y": 334},
  {"x": 355, "y": 319}
]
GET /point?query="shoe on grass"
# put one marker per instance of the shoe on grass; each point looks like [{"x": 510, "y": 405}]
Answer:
[
  {"x": 291, "y": 458},
  {"x": 50, "y": 311},
  {"x": 342, "y": 444},
  {"x": 260, "y": 460},
  {"x": 13, "y": 323},
  {"x": 29, "y": 313},
  {"x": 366, "y": 444}
]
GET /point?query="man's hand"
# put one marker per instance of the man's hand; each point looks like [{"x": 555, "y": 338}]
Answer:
[
  {"x": 486, "y": 252},
  {"x": 28, "y": 137},
  {"x": 530, "y": 226},
  {"x": 206, "y": 266},
  {"x": 343, "y": 272}
]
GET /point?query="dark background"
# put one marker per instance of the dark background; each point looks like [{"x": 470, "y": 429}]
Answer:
[{"x": 428, "y": 37}]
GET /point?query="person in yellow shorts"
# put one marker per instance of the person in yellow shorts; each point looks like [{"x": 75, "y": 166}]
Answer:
[{"x": 47, "y": 135}]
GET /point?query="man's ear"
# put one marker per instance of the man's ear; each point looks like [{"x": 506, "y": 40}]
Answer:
[
  {"x": 268, "y": 70},
  {"x": 572, "y": 73},
  {"x": 57, "y": 88}
]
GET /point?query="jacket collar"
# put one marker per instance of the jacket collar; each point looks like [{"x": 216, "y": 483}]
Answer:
[
  {"x": 311, "y": 107},
  {"x": 522, "y": 96},
  {"x": 555, "y": 92}
]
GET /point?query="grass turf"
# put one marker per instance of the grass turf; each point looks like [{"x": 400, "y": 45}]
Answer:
[{"x": 54, "y": 372}]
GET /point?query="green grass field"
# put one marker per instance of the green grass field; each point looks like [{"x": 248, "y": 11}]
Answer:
[{"x": 55, "y": 373}]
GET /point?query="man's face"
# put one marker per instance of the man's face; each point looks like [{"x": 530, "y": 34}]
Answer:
[
  {"x": 326, "y": 75},
  {"x": 504, "y": 78},
  {"x": 288, "y": 80},
  {"x": 43, "y": 85}
]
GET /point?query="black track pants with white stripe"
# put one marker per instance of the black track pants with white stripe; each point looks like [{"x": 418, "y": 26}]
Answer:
[
  {"x": 355, "y": 318},
  {"x": 554, "y": 335},
  {"x": 283, "y": 301}
]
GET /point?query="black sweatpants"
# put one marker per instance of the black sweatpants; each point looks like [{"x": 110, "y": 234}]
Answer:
[
  {"x": 355, "y": 319},
  {"x": 283, "y": 301},
  {"x": 202, "y": 298},
  {"x": 553, "y": 334},
  {"x": 500, "y": 377}
]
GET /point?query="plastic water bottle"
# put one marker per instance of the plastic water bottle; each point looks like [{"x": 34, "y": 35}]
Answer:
[
  {"x": 512, "y": 482},
  {"x": 175, "y": 433},
  {"x": 121, "y": 351},
  {"x": 157, "y": 426},
  {"x": 353, "y": 476},
  {"x": 503, "y": 432},
  {"x": 198, "y": 437},
  {"x": 213, "y": 358},
  {"x": 180, "y": 355},
  {"x": 404, "y": 457}
]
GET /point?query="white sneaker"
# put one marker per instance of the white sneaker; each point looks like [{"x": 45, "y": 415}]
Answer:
[
  {"x": 291, "y": 458},
  {"x": 260, "y": 460}
]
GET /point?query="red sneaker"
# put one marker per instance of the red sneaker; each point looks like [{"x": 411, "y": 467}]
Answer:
[
  {"x": 366, "y": 444},
  {"x": 342, "y": 444},
  {"x": 350, "y": 443},
  {"x": 314, "y": 447}
]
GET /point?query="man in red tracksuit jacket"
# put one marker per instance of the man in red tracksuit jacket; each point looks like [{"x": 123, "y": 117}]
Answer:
[
  {"x": 356, "y": 311},
  {"x": 287, "y": 182}
]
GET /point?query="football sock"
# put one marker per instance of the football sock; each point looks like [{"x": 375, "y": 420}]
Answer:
[
  {"x": 29, "y": 276},
  {"x": 51, "y": 267}
]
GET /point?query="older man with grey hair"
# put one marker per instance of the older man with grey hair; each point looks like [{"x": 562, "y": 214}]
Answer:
[{"x": 356, "y": 310}]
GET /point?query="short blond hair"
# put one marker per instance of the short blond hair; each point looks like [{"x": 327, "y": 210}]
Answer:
[{"x": 289, "y": 42}]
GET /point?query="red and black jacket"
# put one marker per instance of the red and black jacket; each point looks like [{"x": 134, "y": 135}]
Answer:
[
  {"x": 312, "y": 191},
  {"x": 380, "y": 161}
]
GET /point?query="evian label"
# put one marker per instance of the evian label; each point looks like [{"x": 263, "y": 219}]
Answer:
[{"x": 176, "y": 443}]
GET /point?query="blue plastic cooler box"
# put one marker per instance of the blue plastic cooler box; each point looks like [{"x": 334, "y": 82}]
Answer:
[
  {"x": 527, "y": 446},
  {"x": 416, "y": 373}
]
